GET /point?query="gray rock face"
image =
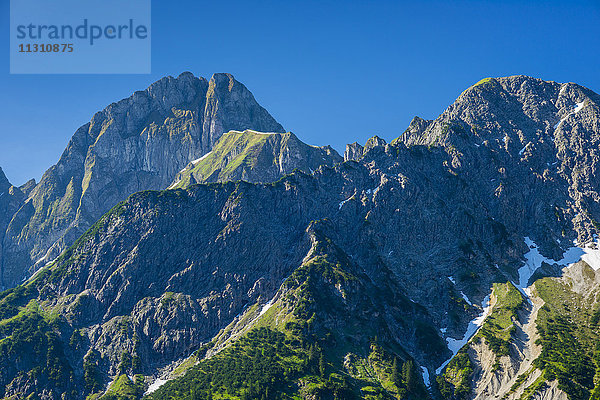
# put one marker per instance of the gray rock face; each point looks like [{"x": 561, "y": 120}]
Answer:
[
  {"x": 139, "y": 143},
  {"x": 373, "y": 142},
  {"x": 417, "y": 126},
  {"x": 11, "y": 199},
  {"x": 255, "y": 157},
  {"x": 354, "y": 151},
  {"x": 532, "y": 143}
]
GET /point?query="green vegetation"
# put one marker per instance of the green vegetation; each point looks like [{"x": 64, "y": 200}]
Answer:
[
  {"x": 91, "y": 373},
  {"x": 259, "y": 363},
  {"x": 569, "y": 339},
  {"x": 397, "y": 377},
  {"x": 482, "y": 82},
  {"x": 292, "y": 352},
  {"x": 124, "y": 388},
  {"x": 518, "y": 382},
  {"x": 498, "y": 327},
  {"x": 497, "y": 330},
  {"x": 232, "y": 151},
  {"x": 455, "y": 382},
  {"x": 35, "y": 333}
]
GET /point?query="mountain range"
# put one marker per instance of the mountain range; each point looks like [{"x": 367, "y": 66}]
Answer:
[{"x": 186, "y": 247}]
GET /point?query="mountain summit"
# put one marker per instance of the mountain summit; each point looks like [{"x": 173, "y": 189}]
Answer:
[{"x": 138, "y": 143}]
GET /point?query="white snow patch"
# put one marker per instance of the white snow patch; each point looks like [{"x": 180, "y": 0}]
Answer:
[
  {"x": 592, "y": 256},
  {"x": 576, "y": 109},
  {"x": 252, "y": 131},
  {"x": 590, "y": 253},
  {"x": 454, "y": 345},
  {"x": 464, "y": 296},
  {"x": 562, "y": 89},
  {"x": 155, "y": 385},
  {"x": 42, "y": 259},
  {"x": 534, "y": 260},
  {"x": 522, "y": 150},
  {"x": 1, "y": 194},
  {"x": 173, "y": 185},
  {"x": 344, "y": 202},
  {"x": 200, "y": 159},
  {"x": 194, "y": 162},
  {"x": 425, "y": 374},
  {"x": 266, "y": 307},
  {"x": 451, "y": 278},
  {"x": 443, "y": 330}
]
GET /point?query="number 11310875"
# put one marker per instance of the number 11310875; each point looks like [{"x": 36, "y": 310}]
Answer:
[{"x": 46, "y": 48}]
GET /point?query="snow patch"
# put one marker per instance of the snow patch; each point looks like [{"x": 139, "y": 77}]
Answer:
[
  {"x": 174, "y": 184},
  {"x": 576, "y": 109},
  {"x": 425, "y": 374},
  {"x": 200, "y": 159},
  {"x": 522, "y": 150},
  {"x": 252, "y": 131},
  {"x": 534, "y": 260},
  {"x": 344, "y": 202},
  {"x": 454, "y": 345},
  {"x": 592, "y": 255},
  {"x": 451, "y": 278},
  {"x": 266, "y": 307},
  {"x": 464, "y": 296},
  {"x": 155, "y": 385}
]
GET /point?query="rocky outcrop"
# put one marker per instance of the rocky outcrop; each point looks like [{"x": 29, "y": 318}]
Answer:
[
  {"x": 255, "y": 157},
  {"x": 416, "y": 127},
  {"x": 138, "y": 143},
  {"x": 354, "y": 151},
  {"x": 11, "y": 198}
]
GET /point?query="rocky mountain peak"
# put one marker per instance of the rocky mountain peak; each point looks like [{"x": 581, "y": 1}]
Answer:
[
  {"x": 374, "y": 141},
  {"x": 224, "y": 95},
  {"x": 4, "y": 183},
  {"x": 520, "y": 108},
  {"x": 135, "y": 144},
  {"x": 353, "y": 151}
]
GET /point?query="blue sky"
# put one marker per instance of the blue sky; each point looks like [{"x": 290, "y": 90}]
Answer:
[{"x": 331, "y": 72}]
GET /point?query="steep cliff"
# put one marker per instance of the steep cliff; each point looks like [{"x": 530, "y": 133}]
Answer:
[{"x": 138, "y": 143}]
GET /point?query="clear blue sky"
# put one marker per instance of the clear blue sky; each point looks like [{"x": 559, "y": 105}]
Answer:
[{"x": 332, "y": 72}]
